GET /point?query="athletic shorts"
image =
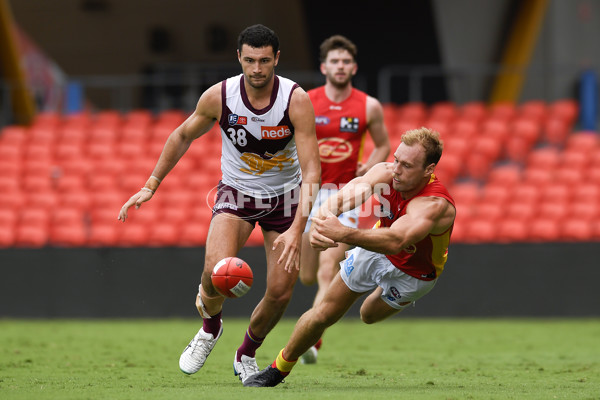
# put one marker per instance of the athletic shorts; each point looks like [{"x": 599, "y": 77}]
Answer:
[
  {"x": 349, "y": 218},
  {"x": 272, "y": 214},
  {"x": 364, "y": 271}
]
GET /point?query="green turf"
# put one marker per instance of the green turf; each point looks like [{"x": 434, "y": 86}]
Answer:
[{"x": 402, "y": 358}]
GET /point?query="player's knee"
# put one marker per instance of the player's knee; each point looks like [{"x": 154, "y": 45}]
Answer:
[
  {"x": 367, "y": 318},
  {"x": 278, "y": 296},
  {"x": 307, "y": 278}
]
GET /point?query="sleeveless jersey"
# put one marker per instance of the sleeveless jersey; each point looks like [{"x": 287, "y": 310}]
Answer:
[
  {"x": 341, "y": 129},
  {"x": 425, "y": 259},
  {"x": 258, "y": 155}
]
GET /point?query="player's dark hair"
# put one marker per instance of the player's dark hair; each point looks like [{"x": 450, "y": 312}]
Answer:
[
  {"x": 427, "y": 138},
  {"x": 258, "y": 36},
  {"x": 336, "y": 42}
]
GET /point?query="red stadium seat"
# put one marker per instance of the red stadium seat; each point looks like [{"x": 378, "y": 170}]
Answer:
[
  {"x": 164, "y": 233},
  {"x": 545, "y": 157},
  {"x": 476, "y": 110},
  {"x": 567, "y": 109},
  {"x": 132, "y": 235},
  {"x": 463, "y": 128},
  {"x": 68, "y": 235},
  {"x": 103, "y": 234},
  {"x": 555, "y": 130},
  {"x": 553, "y": 210},
  {"x": 193, "y": 234},
  {"x": 496, "y": 193},
  {"x": 443, "y": 110},
  {"x": 466, "y": 193},
  {"x": 481, "y": 231},
  {"x": 579, "y": 229},
  {"x": 7, "y": 236},
  {"x": 517, "y": 148},
  {"x": 544, "y": 230},
  {"x": 519, "y": 209},
  {"x": 527, "y": 192},
  {"x": 507, "y": 174},
  {"x": 512, "y": 230},
  {"x": 537, "y": 109},
  {"x": 477, "y": 166},
  {"x": 497, "y": 129},
  {"x": 256, "y": 237},
  {"x": 31, "y": 236},
  {"x": 584, "y": 141},
  {"x": 489, "y": 211},
  {"x": 505, "y": 110}
]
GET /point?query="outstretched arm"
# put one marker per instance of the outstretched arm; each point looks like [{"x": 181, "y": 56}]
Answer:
[
  {"x": 197, "y": 124},
  {"x": 424, "y": 216}
]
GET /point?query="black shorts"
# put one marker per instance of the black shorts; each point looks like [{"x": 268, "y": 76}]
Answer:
[{"x": 272, "y": 214}]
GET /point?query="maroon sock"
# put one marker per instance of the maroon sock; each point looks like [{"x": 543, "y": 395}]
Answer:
[
  {"x": 213, "y": 324},
  {"x": 250, "y": 344},
  {"x": 319, "y": 343}
]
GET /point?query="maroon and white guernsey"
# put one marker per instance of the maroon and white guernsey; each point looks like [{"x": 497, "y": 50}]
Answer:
[{"x": 258, "y": 155}]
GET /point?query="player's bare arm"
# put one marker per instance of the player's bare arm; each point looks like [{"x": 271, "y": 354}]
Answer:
[
  {"x": 302, "y": 116},
  {"x": 352, "y": 195},
  {"x": 207, "y": 111},
  {"x": 424, "y": 216},
  {"x": 379, "y": 134}
]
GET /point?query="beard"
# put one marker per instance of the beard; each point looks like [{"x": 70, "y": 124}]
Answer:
[
  {"x": 340, "y": 84},
  {"x": 264, "y": 81}
]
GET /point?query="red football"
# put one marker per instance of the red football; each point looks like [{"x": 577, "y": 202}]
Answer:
[{"x": 232, "y": 277}]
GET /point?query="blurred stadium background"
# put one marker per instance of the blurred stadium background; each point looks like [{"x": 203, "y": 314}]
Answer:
[{"x": 90, "y": 90}]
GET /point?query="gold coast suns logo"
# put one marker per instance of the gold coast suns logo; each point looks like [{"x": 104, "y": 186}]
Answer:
[{"x": 334, "y": 149}]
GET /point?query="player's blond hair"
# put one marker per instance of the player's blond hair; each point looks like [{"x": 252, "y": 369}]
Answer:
[{"x": 427, "y": 138}]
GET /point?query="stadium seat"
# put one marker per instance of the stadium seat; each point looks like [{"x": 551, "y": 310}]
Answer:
[
  {"x": 413, "y": 111},
  {"x": 507, "y": 174},
  {"x": 584, "y": 141},
  {"x": 256, "y": 237},
  {"x": 549, "y": 209},
  {"x": 537, "y": 109},
  {"x": 496, "y": 129},
  {"x": 527, "y": 192},
  {"x": 517, "y": 148},
  {"x": 555, "y": 130},
  {"x": 449, "y": 168},
  {"x": 164, "y": 233},
  {"x": 71, "y": 184},
  {"x": 68, "y": 235},
  {"x": 193, "y": 234},
  {"x": 476, "y": 110},
  {"x": 569, "y": 175},
  {"x": 443, "y": 110},
  {"x": 586, "y": 190},
  {"x": 46, "y": 200},
  {"x": 7, "y": 236},
  {"x": 481, "y": 231},
  {"x": 544, "y": 157},
  {"x": 489, "y": 211},
  {"x": 11, "y": 153},
  {"x": 497, "y": 193},
  {"x": 526, "y": 128},
  {"x": 588, "y": 208},
  {"x": 10, "y": 183},
  {"x": 512, "y": 230},
  {"x": 464, "y": 128},
  {"x": 538, "y": 176},
  {"x": 521, "y": 209},
  {"x": 132, "y": 235},
  {"x": 466, "y": 193},
  {"x": 567, "y": 109},
  {"x": 579, "y": 229},
  {"x": 556, "y": 192},
  {"x": 490, "y": 147},
  {"x": 544, "y": 230},
  {"x": 31, "y": 236},
  {"x": 477, "y": 166},
  {"x": 103, "y": 235},
  {"x": 505, "y": 110}
]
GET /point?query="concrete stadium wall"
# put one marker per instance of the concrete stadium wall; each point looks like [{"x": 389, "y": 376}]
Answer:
[{"x": 519, "y": 280}]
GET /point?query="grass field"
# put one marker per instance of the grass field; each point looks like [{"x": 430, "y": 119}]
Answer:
[{"x": 402, "y": 358}]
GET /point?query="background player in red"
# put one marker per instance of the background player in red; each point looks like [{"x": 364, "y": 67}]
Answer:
[
  {"x": 343, "y": 117},
  {"x": 399, "y": 261}
]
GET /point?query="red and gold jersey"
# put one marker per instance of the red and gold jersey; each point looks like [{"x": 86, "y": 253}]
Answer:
[
  {"x": 425, "y": 259},
  {"x": 341, "y": 129}
]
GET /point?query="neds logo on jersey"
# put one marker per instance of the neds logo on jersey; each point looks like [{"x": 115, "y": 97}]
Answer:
[{"x": 275, "y": 132}]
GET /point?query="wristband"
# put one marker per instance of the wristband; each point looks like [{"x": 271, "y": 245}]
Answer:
[
  {"x": 157, "y": 179},
  {"x": 147, "y": 190}
]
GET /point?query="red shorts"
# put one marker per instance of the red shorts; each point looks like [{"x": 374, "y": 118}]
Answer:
[{"x": 272, "y": 214}]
